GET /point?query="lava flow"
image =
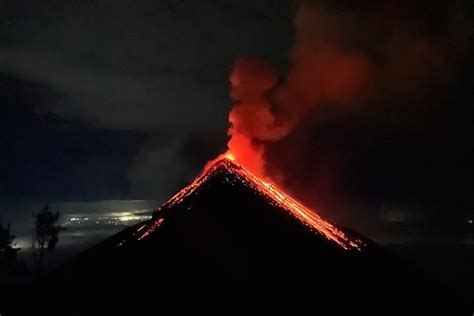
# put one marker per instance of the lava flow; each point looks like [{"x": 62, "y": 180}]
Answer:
[{"x": 272, "y": 193}]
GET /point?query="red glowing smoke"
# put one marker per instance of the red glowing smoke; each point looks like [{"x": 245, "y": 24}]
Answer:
[
  {"x": 252, "y": 119},
  {"x": 266, "y": 110},
  {"x": 339, "y": 57}
]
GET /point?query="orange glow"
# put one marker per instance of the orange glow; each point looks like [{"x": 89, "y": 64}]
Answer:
[
  {"x": 229, "y": 156},
  {"x": 242, "y": 150},
  {"x": 269, "y": 191},
  {"x": 246, "y": 153}
]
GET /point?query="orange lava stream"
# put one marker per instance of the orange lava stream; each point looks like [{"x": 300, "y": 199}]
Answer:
[{"x": 274, "y": 195}]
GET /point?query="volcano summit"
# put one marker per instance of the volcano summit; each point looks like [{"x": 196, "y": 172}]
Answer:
[{"x": 227, "y": 172}]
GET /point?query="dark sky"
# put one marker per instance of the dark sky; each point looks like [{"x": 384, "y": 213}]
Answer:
[
  {"x": 117, "y": 99},
  {"x": 108, "y": 99}
]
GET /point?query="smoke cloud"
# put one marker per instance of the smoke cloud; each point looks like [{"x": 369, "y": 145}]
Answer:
[{"x": 366, "y": 86}]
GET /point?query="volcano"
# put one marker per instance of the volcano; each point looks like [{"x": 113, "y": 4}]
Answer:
[
  {"x": 225, "y": 173},
  {"x": 232, "y": 237}
]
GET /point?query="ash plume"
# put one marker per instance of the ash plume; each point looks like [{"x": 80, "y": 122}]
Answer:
[{"x": 366, "y": 88}]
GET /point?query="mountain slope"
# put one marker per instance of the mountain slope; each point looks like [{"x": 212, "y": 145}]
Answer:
[{"x": 226, "y": 172}]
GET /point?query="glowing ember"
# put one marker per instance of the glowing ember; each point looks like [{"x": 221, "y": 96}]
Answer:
[
  {"x": 155, "y": 224},
  {"x": 272, "y": 193}
]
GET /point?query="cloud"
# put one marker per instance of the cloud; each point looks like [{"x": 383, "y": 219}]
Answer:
[
  {"x": 154, "y": 67},
  {"x": 119, "y": 100},
  {"x": 158, "y": 170},
  {"x": 127, "y": 65}
]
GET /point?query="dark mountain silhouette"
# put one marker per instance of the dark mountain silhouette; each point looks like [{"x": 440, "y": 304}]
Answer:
[{"x": 224, "y": 240}]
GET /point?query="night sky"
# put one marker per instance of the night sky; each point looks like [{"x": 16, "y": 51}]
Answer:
[{"x": 119, "y": 99}]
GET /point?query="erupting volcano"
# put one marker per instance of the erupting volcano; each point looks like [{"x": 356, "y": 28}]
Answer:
[
  {"x": 235, "y": 172},
  {"x": 233, "y": 233},
  {"x": 230, "y": 235}
]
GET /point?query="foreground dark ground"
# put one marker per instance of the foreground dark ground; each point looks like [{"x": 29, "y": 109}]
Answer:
[{"x": 226, "y": 245}]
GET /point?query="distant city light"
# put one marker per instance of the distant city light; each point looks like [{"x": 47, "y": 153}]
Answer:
[
  {"x": 129, "y": 218},
  {"x": 117, "y": 218}
]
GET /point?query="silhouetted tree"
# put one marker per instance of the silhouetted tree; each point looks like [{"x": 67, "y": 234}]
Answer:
[
  {"x": 46, "y": 234},
  {"x": 8, "y": 251}
]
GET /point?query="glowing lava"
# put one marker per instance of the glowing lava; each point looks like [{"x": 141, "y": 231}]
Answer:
[
  {"x": 229, "y": 156},
  {"x": 270, "y": 192}
]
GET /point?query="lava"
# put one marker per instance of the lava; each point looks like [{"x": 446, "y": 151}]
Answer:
[{"x": 268, "y": 190}]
